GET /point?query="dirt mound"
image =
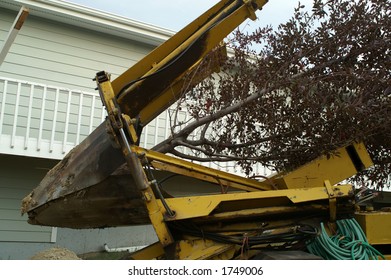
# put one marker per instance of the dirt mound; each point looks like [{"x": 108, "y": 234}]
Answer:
[{"x": 55, "y": 253}]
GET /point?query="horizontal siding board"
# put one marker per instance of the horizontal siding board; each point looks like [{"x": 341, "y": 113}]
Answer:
[
  {"x": 51, "y": 64},
  {"x": 19, "y": 236},
  {"x": 30, "y": 170},
  {"x": 8, "y": 216},
  {"x": 10, "y": 179},
  {"x": 9, "y": 204},
  {"x": 23, "y": 226},
  {"x": 18, "y": 177},
  {"x": 37, "y": 74},
  {"x": 9, "y": 110},
  {"x": 5, "y": 24},
  {"x": 68, "y": 35},
  {"x": 13, "y": 193},
  {"x": 21, "y": 183},
  {"x": 61, "y": 50},
  {"x": 27, "y": 181},
  {"x": 71, "y": 56}
]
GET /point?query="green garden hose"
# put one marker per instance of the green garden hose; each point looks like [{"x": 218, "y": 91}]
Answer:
[{"x": 349, "y": 243}]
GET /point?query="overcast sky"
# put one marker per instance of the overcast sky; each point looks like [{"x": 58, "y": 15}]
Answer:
[{"x": 175, "y": 14}]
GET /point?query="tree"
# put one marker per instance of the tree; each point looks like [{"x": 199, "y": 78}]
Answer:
[{"x": 318, "y": 82}]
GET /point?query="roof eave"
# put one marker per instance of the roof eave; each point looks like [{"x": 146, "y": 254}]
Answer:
[{"x": 92, "y": 19}]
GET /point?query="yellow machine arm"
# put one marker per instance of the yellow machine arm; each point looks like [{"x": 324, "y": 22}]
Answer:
[
  {"x": 141, "y": 93},
  {"x": 150, "y": 86}
]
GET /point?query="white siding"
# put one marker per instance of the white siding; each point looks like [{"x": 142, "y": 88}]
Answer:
[
  {"x": 18, "y": 176},
  {"x": 63, "y": 55}
]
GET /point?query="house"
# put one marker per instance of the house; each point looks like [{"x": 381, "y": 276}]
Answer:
[{"x": 48, "y": 105}]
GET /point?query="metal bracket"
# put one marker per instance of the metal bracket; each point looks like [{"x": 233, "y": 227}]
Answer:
[
  {"x": 118, "y": 124},
  {"x": 332, "y": 201},
  {"x": 252, "y": 7}
]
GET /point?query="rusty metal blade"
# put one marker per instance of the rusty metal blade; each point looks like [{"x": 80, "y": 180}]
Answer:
[
  {"x": 113, "y": 202},
  {"x": 89, "y": 163}
]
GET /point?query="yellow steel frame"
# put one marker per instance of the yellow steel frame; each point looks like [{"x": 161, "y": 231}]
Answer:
[
  {"x": 335, "y": 168},
  {"x": 201, "y": 249},
  {"x": 180, "y": 166},
  {"x": 259, "y": 212},
  {"x": 153, "y": 251},
  {"x": 189, "y": 249},
  {"x": 376, "y": 226},
  {"x": 258, "y": 199},
  {"x": 203, "y": 206}
]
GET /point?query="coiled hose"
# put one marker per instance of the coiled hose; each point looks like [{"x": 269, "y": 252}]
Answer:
[{"x": 349, "y": 243}]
